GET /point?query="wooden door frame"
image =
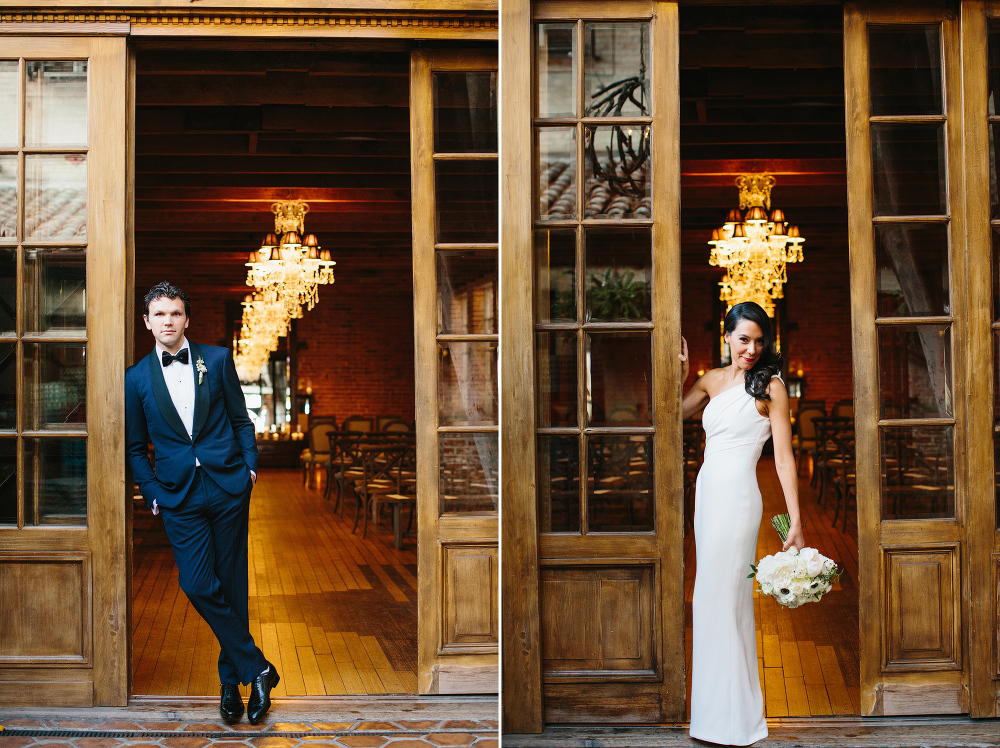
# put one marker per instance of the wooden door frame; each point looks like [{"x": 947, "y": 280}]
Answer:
[
  {"x": 521, "y": 680},
  {"x": 100, "y": 547},
  {"x": 440, "y": 666},
  {"x": 523, "y": 690},
  {"x": 982, "y": 524},
  {"x": 968, "y": 687}
]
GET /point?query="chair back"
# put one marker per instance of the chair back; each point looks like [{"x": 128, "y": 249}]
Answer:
[
  {"x": 843, "y": 409},
  {"x": 623, "y": 412},
  {"x": 319, "y": 437},
  {"x": 804, "y": 422},
  {"x": 357, "y": 423},
  {"x": 812, "y": 405},
  {"x": 382, "y": 421},
  {"x": 396, "y": 426}
]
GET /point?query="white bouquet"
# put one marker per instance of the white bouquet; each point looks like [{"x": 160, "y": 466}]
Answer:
[{"x": 794, "y": 576}]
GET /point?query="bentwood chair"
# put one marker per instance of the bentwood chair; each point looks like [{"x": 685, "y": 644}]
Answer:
[
  {"x": 357, "y": 423},
  {"x": 396, "y": 426},
  {"x": 804, "y": 434},
  {"x": 382, "y": 421},
  {"x": 846, "y": 477},
  {"x": 811, "y": 405},
  {"x": 843, "y": 409},
  {"x": 826, "y": 454},
  {"x": 318, "y": 453}
]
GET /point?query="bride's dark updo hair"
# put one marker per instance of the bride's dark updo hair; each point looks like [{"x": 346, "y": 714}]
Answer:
[{"x": 758, "y": 378}]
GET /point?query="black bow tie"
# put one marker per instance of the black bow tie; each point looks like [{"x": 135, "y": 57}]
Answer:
[{"x": 181, "y": 357}]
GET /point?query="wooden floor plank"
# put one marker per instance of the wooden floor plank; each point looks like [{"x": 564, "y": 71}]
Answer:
[
  {"x": 798, "y": 701},
  {"x": 352, "y": 679},
  {"x": 819, "y": 702},
  {"x": 311, "y": 675},
  {"x": 812, "y": 671},
  {"x": 302, "y": 559},
  {"x": 775, "y": 703},
  {"x": 333, "y": 683},
  {"x": 772, "y": 650}
]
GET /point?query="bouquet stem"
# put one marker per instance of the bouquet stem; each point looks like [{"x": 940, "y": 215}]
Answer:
[{"x": 782, "y": 524}]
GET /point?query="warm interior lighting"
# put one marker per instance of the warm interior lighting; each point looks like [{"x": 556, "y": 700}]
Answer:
[
  {"x": 286, "y": 274},
  {"x": 753, "y": 249}
]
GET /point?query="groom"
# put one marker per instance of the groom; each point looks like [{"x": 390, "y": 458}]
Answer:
[{"x": 186, "y": 399}]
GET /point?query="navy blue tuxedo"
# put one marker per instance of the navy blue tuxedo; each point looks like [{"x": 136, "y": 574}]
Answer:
[
  {"x": 206, "y": 507},
  {"x": 223, "y": 440}
]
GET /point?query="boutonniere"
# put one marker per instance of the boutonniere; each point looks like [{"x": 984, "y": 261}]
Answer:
[{"x": 202, "y": 369}]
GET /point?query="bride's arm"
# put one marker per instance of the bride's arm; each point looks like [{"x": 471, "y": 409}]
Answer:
[
  {"x": 784, "y": 460},
  {"x": 696, "y": 397}
]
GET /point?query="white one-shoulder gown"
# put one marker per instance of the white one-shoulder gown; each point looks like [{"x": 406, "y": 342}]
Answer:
[{"x": 727, "y": 705}]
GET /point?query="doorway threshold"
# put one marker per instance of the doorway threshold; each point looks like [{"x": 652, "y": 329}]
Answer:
[
  {"x": 165, "y": 720},
  {"x": 825, "y": 732}
]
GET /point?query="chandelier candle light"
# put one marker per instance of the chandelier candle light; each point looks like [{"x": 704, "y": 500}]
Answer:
[
  {"x": 286, "y": 272},
  {"x": 753, "y": 248}
]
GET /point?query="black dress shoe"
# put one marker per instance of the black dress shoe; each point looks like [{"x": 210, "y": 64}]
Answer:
[
  {"x": 260, "y": 695},
  {"x": 231, "y": 703}
]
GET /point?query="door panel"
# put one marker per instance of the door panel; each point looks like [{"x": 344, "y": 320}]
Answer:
[
  {"x": 604, "y": 257},
  {"x": 453, "y": 134},
  {"x": 63, "y": 573},
  {"x": 919, "y": 309}
]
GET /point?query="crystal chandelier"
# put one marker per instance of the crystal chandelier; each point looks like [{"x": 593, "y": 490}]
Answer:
[
  {"x": 291, "y": 268},
  {"x": 286, "y": 273},
  {"x": 263, "y": 323},
  {"x": 754, "y": 249}
]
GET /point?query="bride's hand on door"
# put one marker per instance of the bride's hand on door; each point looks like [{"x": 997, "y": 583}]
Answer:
[{"x": 685, "y": 360}]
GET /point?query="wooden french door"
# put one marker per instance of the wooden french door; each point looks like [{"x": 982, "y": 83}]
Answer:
[
  {"x": 453, "y": 132},
  {"x": 922, "y": 277},
  {"x": 63, "y": 555},
  {"x": 593, "y": 577}
]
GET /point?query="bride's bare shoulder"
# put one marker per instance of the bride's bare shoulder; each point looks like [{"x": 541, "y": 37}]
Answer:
[{"x": 711, "y": 381}]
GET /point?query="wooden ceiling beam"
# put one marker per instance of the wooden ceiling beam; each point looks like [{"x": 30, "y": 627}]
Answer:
[
  {"x": 269, "y": 195},
  {"x": 736, "y": 49},
  {"x": 699, "y": 134},
  {"x": 179, "y": 221},
  {"x": 290, "y": 180},
  {"x": 762, "y": 83},
  {"x": 776, "y": 166},
  {"x": 276, "y": 89},
  {"x": 233, "y": 144},
  {"x": 215, "y": 62},
  {"x": 264, "y": 164},
  {"x": 318, "y": 210},
  {"x": 763, "y": 150},
  {"x": 263, "y": 118}
]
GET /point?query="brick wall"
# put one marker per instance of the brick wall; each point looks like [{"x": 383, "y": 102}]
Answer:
[
  {"x": 359, "y": 358},
  {"x": 358, "y": 353}
]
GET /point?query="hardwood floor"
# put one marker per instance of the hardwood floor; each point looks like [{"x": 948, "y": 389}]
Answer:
[
  {"x": 808, "y": 657},
  {"x": 336, "y": 614}
]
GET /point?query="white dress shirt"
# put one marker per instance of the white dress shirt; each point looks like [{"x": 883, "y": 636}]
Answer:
[{"x": 180, "y": 384}]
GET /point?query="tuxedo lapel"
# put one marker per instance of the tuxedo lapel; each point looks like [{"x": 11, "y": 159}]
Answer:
[
  {"x": 201, "y": 392},
  {"x": 162, "y": 396}
]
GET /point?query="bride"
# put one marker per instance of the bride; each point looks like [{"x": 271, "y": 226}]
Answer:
[{"x": 747, "y": 403}]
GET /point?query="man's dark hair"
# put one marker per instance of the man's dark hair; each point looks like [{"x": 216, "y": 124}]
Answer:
[{"x": 166, "y": 290}]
